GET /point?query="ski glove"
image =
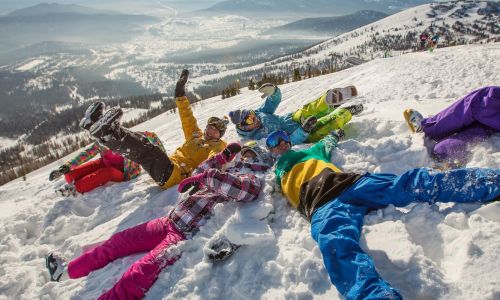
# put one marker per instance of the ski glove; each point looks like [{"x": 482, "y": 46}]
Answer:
[
  {"x": 230, "y": 151},
  {"x": 59, "y": 172},
  {"x": 220, "y": 249},
  {"x": 339, "y": 134},
  {"x": 267, "y": 89}
]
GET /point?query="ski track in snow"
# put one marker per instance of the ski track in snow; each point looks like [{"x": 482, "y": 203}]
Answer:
[{"x": 440, "y": 251}]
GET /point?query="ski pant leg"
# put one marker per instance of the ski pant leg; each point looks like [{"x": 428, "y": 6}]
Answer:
[
  {"x": 482, "y": 106},
  {"x": 139, "y": 278},
  {"x": 83, "y": 169},
  {"x": 317, "y": 108},
  {"x": 335, "y": 120},
  {"x": 140, "y": 238},
  {"x": 98, "y": 178},
  {"x": 424, "y": 185},
  {"x": 454, "y": 148},
  {"x": 336, "y": 227},
  {"x": 235, "y": 187},
  {"x": 137, "y": 148}
]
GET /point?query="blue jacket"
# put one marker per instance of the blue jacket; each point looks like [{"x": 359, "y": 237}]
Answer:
[{"x": 271, "y": 122}]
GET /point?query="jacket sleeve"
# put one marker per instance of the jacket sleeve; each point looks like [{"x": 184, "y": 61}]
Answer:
[
  {"x": 325, "y": 146},
  {"x": 271, "y": 103},
  {"x": 86, "y": 155},
  {"x": 188, "y": 121},
  {"x": 299, "y": 136}
]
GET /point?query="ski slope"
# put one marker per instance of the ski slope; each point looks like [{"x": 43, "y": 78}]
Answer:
[{"x": 440, "y": 251}]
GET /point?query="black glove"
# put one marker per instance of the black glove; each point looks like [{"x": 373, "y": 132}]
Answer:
[
  {"x": 59, "y": 172},
  {"x": 309, "y": 123},
  {"x": 339, "y": 134},
  {"x": 231, "y": 150},
  {"x": 180, "y": 87},
  {"x": 221, "y": 249}
]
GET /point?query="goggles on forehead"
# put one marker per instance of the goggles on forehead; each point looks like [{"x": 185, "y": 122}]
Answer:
[
  {"x": 249, "y": 119},
  {"x": 275, "y": 138}
]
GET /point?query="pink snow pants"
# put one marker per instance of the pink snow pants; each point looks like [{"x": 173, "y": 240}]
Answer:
[{"x": 154, "y": 236}]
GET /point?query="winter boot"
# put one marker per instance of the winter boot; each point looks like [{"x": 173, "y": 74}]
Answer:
[
  {"x": 108, "y": 127},
  {"x": 355, "y": 109},
  {"x": 309, "y": 123},
  {"x": 56, "y": 265},
  {"x": 180, "y": 87},
  {"x": 92, "y": 114},
  {"x": 220, "y": 249},
  {"x": 335, "y": 97},
  {"x": 192, "y": 184},
  {"x": 413, "y": 119},
  {"x": 67, "y": 190}
]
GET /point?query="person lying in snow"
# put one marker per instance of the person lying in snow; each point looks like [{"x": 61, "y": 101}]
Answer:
[
  {"x": 307, "y": 124},
  {"x": 83, "y": 174},
  {"x": 469, "y": 120},
  {"x": 209, "y": 186},
  {"x": 166, "y": 171},
  {"x": 336, "y": 202}
]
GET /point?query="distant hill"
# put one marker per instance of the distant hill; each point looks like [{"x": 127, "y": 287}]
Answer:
[
  {"x": 312, "y": 7},
  {"x": 330, "y": 25},
  {"x": 55, "y": 8}
]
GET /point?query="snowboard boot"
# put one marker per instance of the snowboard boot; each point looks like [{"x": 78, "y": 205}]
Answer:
[
  {"x": 192, "y": 184},
  {"x": 309, "y": 123},
  {"x": 108, "y": 127},
  {"x": 56, "y": 265},
  {"x": 336, "y": 97},
  {"x": 92, "y": 114},
  {"x": 413, "y": 119},
  {"x": 221, "y": 249},
  {"x": 355, "y": 109},
  {"x": 180, "y": 87},
  {"x": 67, "y": 190}
]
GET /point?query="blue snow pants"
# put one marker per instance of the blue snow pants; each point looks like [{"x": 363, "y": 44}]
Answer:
[{"x": 336, "y": 226}]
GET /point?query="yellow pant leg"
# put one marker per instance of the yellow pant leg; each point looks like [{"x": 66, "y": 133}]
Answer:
[{"x": 317, "y": 108}]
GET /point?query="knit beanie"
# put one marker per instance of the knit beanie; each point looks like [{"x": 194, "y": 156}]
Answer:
[
  {"x": 220, "y": 124},
  {"x": 238, "y": 116}
]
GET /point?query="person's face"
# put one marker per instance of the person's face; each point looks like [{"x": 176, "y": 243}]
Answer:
[
  {"x": 281, "y": 148},
  {"x": 255, "y": 122},
  {"x": 211, "y": 133}
]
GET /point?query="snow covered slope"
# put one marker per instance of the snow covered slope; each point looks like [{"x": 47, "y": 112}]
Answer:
[{"x": 426, "y": 251}]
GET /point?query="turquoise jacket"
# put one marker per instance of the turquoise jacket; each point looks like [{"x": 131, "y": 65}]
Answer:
[{"x": 271, "y": 122}]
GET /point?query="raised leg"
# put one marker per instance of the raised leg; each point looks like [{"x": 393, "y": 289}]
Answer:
[
  {"x": 335, "y": 120},
  {"x": 482, "y": 106}
]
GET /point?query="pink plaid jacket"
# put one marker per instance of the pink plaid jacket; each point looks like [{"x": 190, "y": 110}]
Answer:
[{"x": 236, "y": 184}]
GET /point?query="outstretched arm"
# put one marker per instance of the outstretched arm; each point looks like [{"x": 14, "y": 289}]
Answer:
[
  {"x": 326, "y": 145},
  {"x": 188, "y": 121},
  {"x": 271, "y": 103}
]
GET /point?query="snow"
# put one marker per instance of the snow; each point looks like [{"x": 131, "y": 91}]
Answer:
[
  {"x": 442, "y": 251},
  {"x": 30, "y": 65}
]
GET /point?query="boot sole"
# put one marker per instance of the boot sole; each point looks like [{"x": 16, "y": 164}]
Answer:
[
  {"x": 107, "y": 119},
  {"x": 407, "y": 115}
]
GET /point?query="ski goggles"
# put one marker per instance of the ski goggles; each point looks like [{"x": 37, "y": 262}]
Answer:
[
  {"x": 250, "y": 119},
  {"x": 274, "y": 139}
]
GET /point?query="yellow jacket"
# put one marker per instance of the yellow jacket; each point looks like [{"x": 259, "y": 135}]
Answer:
[{"x": 195, "y": 149}]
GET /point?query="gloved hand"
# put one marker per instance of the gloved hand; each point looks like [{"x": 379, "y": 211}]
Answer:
[
  {"x": 230, "y": 151},
  {"x": 267, "y": 89},
  {"x": 309, "y": 123},
  {"x": 59, "y": 172},
  {"x": 220, "y": 249},
  {"x": 339, "y": 134}
]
